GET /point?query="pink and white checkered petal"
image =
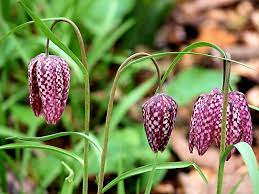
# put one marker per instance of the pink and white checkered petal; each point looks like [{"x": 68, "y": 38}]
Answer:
[
  {"x": 159, "y": 116},
  {"x": 34, "y": 96},
  {"x": 50, "y": 81},
  {"x": 216, "y": 114},
  {"x": 235, "y": 122},
  {"x": 64, "y": 75},
  {"x": 194, "y": 122},
  {"x": 245, "y": 116},
  {"x": 201, "y": 127}
]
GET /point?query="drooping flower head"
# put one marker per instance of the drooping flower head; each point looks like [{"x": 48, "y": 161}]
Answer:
[
  {"x": 49, "y": 78},
  {"x": 159, "y": 114},
  {"x": 207, "y": 117}
]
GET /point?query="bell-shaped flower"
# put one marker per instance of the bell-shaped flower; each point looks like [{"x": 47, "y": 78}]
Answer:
[
  {"x": 159, "y": 114},
  {"x": 49, "y": 78},
  {"x": 207, "y": 118}
]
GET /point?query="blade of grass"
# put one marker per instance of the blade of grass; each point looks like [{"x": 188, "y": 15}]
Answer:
[
  {"x": 138, "y": 186},
  {"x": 234, "y": 189},
  {"x": 121, "y": 186},
  {"x": 14, "y": 98},
  {"x": 7, "y": 132},
  {"x": 253, "y": 107},
  {"x": 68, "y": 184},
  {"x": 163, "y": 54},
  {"x": 41, "y": 146},
  {"x": 21, "y": 26},
  {"x": 43, "y": 27},
  {"x": 93, "y": 141},
  {"x": 189, "y": 48},
  {"x": 158, "y": 55},
  {"x": 250, "y": 160},
  {"x": 13, "y": 40},
  {"x": 147, "y": 168}
]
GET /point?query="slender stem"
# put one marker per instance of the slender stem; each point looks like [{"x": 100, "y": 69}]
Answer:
[
  {"x": 87, "y": 95},
  {"x": 225, "y": 88},
  {"x": 78, "y": 34},
  {"x": 109, "y": 112},
  {"x": 150, "y": 179}
]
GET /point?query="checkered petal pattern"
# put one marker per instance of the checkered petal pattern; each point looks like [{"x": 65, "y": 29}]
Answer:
[
  {"x": 159, "y": 114},
  {"x": 207, "y": 118},
  {"x": 49, "y": 78}
]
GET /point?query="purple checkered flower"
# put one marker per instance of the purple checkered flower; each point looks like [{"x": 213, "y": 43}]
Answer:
[
  {"x": 207, "y": 116},
  {"x": 159, "y": 114},
  {"x": 49, "y": 78}
]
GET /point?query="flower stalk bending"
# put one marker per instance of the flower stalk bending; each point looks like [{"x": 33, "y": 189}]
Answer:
[
  {"x": 109, "y": 112},
  {"x": 87, "y": 95}
]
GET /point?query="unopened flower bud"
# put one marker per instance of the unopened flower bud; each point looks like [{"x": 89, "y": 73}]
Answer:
[
  {"x": 49, "y": 78},
  {"x": 159, "y": 114}
]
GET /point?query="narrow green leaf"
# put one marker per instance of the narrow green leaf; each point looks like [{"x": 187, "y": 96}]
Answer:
[
  {"x": 52, "y": 37},
  {"x": 163, "y": 54},
  {"x": 189, "y": 48},
  {"x": 253, "y": 107},
  {"x": 138, "y": 186},
  {"x": 14, "y": 98},
  {"x": 7, "y": 132},
  {"x": 68, "y": 184},
  {"x": 147, "y": 168},
  {"x": 41, "y": 146},
  {"x": 92, "y": 140},
  {"x": 234, "y": 189},
  {"x": 21, "y": 26},
  {"x": 121, "y": 186},
  {"x": 250, "y": 160}
]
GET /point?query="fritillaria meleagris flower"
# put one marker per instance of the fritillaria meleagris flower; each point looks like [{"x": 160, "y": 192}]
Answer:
[
  {"x": 207, "y": 116},
  {"x": 159, "y": 114},
  {"x": 49, "y": 78}
]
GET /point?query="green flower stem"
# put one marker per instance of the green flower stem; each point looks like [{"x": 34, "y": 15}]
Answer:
[
  {"x": 151, "y": 177},
  {"x": 78, "y": 34},
  {"x": 225, "y": 88},
  {"x": 87, "y": 95},
  {"x": 109, "y": 112}
]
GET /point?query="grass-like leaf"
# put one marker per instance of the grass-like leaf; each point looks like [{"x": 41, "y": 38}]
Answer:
[
  {"x": 250, "y": 160},
  {"x": 147, "y": 168},
  {"x": 163, "y": 54},
  {"x": 44, "y": 28},
  {"x": 181, "y": 54},
  {"x": 43, "y": 147},
  {"x": 68, "y": 184},
  {"x": 93, "y": 141},
  {"x": 189, "y": 48},
  {"x": 21, "y": 26},
  {"x": 236, "y": 186}
]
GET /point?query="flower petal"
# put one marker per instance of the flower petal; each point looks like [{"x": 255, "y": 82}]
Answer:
[
  {"x": 34, "y": 96},
  {"x": 159, "y": 114},
  {"x": 201, "y": 125},
  {"x": 50, "y": 82}
]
